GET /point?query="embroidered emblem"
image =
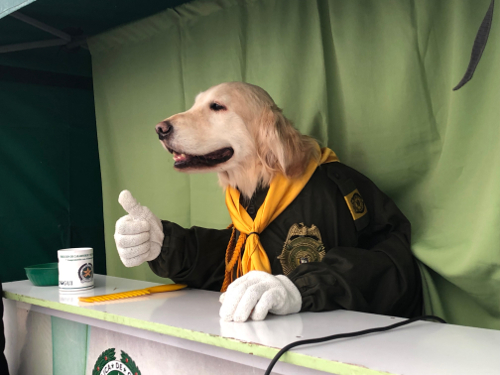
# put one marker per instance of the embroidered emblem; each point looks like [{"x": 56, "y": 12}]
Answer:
[
  {"x": 302, "y": 245},
  {"x": 358, "y": 203}
]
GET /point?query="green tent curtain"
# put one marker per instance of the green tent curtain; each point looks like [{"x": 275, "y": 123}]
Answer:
[
  {"x": 50, "y": 193},
  {"x": 371, "y": 79}
]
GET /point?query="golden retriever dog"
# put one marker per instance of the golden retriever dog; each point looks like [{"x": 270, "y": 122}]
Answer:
[
  {"x": 309, "y": 233},
  {"x": 236, "y": 130}
]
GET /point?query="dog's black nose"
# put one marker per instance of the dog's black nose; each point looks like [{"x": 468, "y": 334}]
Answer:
[{"x": 163, "y": 129}]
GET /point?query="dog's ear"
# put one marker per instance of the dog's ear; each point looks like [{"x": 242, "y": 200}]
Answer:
[{"x": 281, "y": 148}]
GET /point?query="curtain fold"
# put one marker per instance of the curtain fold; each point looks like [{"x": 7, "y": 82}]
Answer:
[{"x": 371, "y": 79}]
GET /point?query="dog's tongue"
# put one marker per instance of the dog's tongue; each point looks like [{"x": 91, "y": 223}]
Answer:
[{"x": 179, "y": 157}]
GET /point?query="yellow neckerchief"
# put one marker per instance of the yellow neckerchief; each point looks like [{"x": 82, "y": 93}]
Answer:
[{"x": 282, "y": 192}]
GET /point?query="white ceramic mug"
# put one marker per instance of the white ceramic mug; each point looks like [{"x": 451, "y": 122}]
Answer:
[{"x": 76, "y": 269}]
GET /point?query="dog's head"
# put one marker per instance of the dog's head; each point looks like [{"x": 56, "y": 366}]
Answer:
[{"x": 236, "y": 130}]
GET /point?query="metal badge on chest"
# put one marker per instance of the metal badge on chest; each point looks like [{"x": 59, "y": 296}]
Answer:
[{"x": 302, "y": 245}]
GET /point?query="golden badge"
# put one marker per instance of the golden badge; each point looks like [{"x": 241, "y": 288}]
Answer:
[{"x": 302, "y": 245}]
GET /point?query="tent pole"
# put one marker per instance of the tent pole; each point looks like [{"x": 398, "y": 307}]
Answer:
[
  {"x": 66, "y": 39},
  {"x": 41, "y": 26},
  {"x": 32, "y": 45}
]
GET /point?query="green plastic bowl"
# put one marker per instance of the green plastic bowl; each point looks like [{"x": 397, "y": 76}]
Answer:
[{"x": 43, "y": 274}]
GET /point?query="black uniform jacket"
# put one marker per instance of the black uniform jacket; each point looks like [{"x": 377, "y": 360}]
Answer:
[{"x": 368, "y": 268}]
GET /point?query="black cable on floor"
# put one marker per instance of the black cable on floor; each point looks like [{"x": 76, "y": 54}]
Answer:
[{"x": 349, "y": 334}]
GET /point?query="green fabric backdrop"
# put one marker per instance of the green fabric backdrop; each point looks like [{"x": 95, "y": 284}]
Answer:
[
  {"x": 370, "y": 79},
  {"x": 50, "y": 185}
]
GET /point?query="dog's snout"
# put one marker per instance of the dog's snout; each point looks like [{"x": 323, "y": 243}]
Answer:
[{"x": 164, "y": 129}]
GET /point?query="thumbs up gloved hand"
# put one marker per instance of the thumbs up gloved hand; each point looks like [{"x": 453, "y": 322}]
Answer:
[{"x": 138, "y": 235}]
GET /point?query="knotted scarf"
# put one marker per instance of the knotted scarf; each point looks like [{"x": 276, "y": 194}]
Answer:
[{"x": 282, "y": 192}]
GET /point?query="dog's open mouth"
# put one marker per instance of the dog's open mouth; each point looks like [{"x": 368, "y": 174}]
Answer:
[{"x": 182, "y": 160}]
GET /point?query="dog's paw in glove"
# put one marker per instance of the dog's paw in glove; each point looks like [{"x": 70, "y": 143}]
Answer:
[
  {"x": 258, "y": 293},
  {"x": 138, "y": 235}
]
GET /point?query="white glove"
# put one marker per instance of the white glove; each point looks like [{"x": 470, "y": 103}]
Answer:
[
  {"x": 261, "y": 292},
  {"x": 138, "y": 235}
]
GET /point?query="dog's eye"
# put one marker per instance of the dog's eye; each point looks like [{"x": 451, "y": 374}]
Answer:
[{"x": 217, "y": 107}]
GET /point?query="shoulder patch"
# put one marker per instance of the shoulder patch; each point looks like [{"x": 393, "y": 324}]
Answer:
[
  {"x": 356, "y": 204},
  {"x": 352, "y": 196}
]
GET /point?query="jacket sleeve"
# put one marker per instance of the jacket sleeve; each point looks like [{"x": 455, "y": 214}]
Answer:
[
  {"x": 378, "y": 275},
  {"x": 192, "y": 256}
]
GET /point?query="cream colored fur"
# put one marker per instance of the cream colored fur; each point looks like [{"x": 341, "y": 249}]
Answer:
[{"x": 263, "y": 139}]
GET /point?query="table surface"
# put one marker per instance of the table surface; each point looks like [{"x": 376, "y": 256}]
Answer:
[{"x": 419, "y": 348}]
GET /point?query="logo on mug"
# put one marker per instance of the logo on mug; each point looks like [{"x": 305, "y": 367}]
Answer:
[{"x": 85, "y": 273}]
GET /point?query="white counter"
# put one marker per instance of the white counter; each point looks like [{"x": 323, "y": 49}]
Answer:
[{"x": 189, "y": 319}]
